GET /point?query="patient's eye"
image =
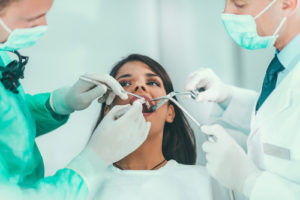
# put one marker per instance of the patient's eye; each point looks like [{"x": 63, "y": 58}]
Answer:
[
  {"x": 125, "y": 83},
  {"x": 153, "y": 83}
]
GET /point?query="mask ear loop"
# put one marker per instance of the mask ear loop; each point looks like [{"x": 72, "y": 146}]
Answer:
[
  {"x": 5, "y": 26},
  {"x": 280, "y": 26},
  {"x": 281, "y": 23},
  {"x": 265, "y": 9}
]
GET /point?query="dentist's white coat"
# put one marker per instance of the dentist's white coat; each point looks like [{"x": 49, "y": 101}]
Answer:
[{"x": 274, "y": 139}]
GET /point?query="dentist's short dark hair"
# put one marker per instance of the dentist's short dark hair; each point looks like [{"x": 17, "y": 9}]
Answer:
[
  {"x": 178, "y": 139},
  {"x": 5, "y": 3}
]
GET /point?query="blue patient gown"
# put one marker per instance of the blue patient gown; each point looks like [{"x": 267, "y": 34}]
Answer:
[{"x": 23, "y": 118}]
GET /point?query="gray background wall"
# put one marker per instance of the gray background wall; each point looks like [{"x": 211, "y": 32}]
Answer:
[{"x": 92, "y": 35}]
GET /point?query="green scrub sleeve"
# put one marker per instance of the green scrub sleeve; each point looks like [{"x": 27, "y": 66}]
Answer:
[
  {"x": 45, "y": 118},
  {"x": 80, "y": 180},
  {"x": 66, "y": 184}
]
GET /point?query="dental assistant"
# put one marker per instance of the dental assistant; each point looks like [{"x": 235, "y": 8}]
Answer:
[
  {"x": 24, "y": 117},
  {"x": 271, "y": 168}
]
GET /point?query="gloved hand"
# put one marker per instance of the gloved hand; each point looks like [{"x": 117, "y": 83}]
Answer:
[
  {"x": 111, "y": 141},
  {"x": 78, "y": 97},
  {"x": 227, "y": 162},
  {"x": 215, "y": 89},
  {"x": 114, "y": 139}
]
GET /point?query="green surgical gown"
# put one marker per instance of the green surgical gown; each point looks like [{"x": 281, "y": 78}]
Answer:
[{"x": 23, "y": 118}]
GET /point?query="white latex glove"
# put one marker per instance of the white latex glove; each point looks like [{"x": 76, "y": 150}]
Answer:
[
  {"x": 215, "y": 89},
  {"x": 114, "y": 139},
  {"x": 227, "y": 162},
  {"x": 78, "y": 97}
]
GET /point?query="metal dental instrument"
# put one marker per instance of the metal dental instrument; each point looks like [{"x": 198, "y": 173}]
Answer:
[
  {"x": 103, "y": 98},
  {"x": 96, "y": 82},
  {"x": 164, "y": 99},
  {"x": 137, "y": 96},
  {"x": 169, "y": 97}
]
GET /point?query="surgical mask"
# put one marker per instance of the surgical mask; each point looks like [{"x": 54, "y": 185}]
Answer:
[
  {"x": 21, "y": 37},
  {"x": 242, "y": 29}
]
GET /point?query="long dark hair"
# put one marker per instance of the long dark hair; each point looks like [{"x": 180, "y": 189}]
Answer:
[{"x": 178, "y": 137}]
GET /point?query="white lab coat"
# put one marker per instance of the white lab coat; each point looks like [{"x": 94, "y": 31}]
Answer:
[{"x": 274, "y": 139}]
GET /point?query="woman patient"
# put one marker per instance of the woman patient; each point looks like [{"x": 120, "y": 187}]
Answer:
[{"x": 163, "y": 166}]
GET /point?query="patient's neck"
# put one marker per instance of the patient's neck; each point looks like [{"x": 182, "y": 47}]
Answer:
[{"x": 147, "y": 156}]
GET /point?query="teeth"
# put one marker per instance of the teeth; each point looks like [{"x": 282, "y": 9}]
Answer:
[
  {"x": 145, "y": 102},
  {"x": 146, "y": 107}
]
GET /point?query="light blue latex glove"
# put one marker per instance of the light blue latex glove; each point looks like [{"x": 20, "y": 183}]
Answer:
[{"x": 78, "y": 97}]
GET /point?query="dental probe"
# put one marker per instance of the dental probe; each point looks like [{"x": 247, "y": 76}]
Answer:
[{"x": 96, "y": 82}]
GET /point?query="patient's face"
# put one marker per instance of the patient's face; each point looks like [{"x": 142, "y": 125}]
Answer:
[{"x": 137, "y": 77}]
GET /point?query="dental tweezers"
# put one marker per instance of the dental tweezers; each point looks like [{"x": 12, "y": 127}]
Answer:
[
  {"x": 169, "y": 97},
  {"x": 164, "y": 99}
]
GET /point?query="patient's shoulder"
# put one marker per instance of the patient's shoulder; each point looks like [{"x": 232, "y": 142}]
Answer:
[
  {"x": 194, "y": 177},
  {"x": 175, "y": 164},
  {"x": 190, "y": 170}
]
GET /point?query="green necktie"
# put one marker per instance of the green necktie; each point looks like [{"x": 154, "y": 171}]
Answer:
[{"x": 270, "y": 81}]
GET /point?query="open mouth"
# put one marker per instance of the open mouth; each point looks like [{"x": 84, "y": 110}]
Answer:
[{"x": 146, "y": 106}]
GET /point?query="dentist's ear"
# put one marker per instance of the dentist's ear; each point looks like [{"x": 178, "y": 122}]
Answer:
[
  {"x": 171, "y": 114},
  {"x": 289, "y": 6}
]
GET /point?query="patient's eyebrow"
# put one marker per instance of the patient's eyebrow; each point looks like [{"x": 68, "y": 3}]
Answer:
[
  {"x": 129, "y": 75},
  {"x": 151, "y": 75},
  {"x": 124, "y": 76}
]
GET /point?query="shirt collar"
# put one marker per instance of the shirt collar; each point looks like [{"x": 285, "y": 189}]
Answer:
[{"x": 289, "y": 56}]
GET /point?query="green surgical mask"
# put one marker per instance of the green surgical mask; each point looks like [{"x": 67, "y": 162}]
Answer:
[
  {"x": 242, "y": 29},
  {"x": 21, "y": 37}
]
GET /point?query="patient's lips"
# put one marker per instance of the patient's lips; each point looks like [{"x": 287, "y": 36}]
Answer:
[{"x": 146, "y": 106}]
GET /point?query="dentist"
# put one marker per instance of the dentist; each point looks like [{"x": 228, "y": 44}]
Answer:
[
  {"x": 270, "y": 170},
  {"x": 24, "y": 117}
]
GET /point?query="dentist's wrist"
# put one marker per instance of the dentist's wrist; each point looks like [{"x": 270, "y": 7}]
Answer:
[
  {"x": 55, "y": 115},
  {"x": 250, "y": 183},
  {"x": 92, "y": 169},
  {"x": 224, "y": 104},
  {"x": 57, "y": 102}
]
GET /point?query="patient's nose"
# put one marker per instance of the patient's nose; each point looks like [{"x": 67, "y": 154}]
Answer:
[{"x": 137, "y": 88}]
